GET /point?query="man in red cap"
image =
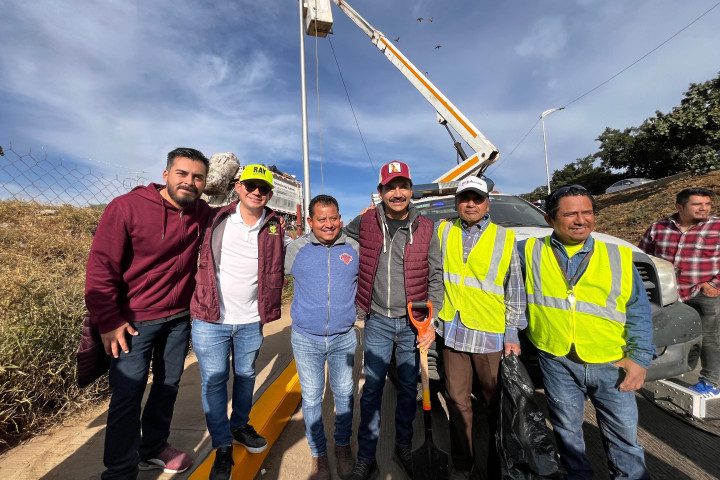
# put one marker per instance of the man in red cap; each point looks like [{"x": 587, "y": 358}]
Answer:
[{"x": 399, "y": 263}]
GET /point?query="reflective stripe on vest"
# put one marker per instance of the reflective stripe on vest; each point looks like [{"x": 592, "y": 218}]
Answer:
[
  {"x": 475, "y": 287},
  {"x": 595, "y": 324}
]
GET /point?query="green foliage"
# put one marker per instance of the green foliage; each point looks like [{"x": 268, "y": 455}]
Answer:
[
  {"x": 538, "y": 194},
  {"x": 582, "y": 171},
  {"x": 687, "y": 138}
]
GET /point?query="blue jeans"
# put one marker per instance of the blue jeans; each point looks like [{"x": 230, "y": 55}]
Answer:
[
  {"x": 213, "y": 343},
  {"x": 310, "y": 357},
  {"x": 566, "y": 385},
  {"x": 709, "y": 310},
  {"x": 381, "y": 335},
  {"x": 165, "y": 345}
]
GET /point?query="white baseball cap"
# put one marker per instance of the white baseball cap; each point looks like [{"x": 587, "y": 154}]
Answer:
[{"x": 475, "y": 184}]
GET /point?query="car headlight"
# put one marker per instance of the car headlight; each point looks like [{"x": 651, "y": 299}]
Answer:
[{"x": 666, "y": 278}]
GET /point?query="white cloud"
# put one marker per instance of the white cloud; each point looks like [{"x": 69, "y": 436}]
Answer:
[
  {"x": 125, "y": 82},
  {"x": 547, "y": 38}
]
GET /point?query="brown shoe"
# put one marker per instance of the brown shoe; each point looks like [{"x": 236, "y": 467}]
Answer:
[
  {"x": 320, "y": 468},
  {"x": 345, "y": 461}
]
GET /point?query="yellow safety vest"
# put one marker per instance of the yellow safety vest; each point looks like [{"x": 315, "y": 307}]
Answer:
[
  {"x": 595, "y": 321},
  {"x": 475, "y": 287}
]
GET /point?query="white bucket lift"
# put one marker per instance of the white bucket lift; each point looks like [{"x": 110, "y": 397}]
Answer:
[{"x": 318, "y": 17}]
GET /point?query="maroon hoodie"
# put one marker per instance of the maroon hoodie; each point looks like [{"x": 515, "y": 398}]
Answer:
[{"x": 143, "y": 259}]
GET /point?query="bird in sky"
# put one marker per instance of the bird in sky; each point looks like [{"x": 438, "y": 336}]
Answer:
[
  {"x": 397, "y": 39},
  {"x": 430, "y": 19},
  {"x": 437, "y": 47},
  {"x": 420, "y": 19}
]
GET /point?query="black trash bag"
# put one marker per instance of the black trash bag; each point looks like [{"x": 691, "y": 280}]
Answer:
[{"x": 524, "y": 442}]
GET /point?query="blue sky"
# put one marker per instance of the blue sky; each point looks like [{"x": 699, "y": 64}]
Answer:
[{"x": 117, "y": 84}]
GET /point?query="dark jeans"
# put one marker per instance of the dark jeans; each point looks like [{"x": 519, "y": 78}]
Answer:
[
  {"x": 165, "y": 345},
  {"x": 461, "y": 368},
  {"x": 709, "y": 310},
  {"x": 381, "y": 335}
]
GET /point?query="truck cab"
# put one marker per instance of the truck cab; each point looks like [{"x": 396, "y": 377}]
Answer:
[{"x": 676, "y": 326}]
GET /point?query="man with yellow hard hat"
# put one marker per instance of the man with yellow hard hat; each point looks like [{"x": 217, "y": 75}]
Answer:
[{"x": 239, "y": 285}]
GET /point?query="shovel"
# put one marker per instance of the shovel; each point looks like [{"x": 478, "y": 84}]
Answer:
[{"x": 429, "y": 462}]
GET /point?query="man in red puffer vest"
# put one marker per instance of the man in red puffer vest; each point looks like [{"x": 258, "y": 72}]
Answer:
[{"x": 399, "y": 263}]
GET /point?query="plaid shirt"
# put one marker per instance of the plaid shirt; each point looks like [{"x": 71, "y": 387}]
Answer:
[
  {"x": 695, "y": 252},
  {"x": 458, "y": 336}
]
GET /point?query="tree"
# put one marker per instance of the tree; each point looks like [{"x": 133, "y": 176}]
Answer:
[
  {"x": 687, "y": 138},
  {"x": 582, "y": 171}
]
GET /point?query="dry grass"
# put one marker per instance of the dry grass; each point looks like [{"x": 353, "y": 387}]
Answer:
[
  {"x": 628, "y": 214},
  {"x": 42, "y": 266}
]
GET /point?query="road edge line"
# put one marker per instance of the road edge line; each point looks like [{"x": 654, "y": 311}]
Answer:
[{"x": 269, "y": 416}]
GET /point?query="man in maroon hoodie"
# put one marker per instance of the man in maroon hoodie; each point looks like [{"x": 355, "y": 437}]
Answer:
[{"x": 139, "y": 281}]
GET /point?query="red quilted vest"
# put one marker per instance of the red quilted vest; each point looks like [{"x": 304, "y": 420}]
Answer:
[
  {"x": 415, "y": 265},
  {"x": 205, "y": 304}
]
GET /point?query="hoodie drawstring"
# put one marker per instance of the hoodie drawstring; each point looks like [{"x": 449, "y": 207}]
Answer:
[{"x": 164, "y": 216}]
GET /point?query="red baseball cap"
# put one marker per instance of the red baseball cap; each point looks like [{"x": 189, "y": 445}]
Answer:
[{"x": 394, "y": 170}]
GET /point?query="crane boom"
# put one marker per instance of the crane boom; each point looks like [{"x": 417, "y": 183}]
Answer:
[{"x": 484, "y": 152}]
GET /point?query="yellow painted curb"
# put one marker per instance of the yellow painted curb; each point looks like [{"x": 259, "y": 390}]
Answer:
[{"x": 269, "y": 416}]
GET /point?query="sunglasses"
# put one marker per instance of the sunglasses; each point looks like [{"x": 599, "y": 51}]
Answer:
[
  {"x": 251, "y": 187},
  {"x": 565, "y": 189}
]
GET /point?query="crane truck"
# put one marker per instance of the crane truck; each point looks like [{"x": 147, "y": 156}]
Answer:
[{"x": 676, "y": 326}]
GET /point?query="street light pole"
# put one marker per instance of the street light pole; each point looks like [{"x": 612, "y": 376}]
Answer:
[
  {"x": 547, "y": 166},
  {"x": 305, "y": 147}
]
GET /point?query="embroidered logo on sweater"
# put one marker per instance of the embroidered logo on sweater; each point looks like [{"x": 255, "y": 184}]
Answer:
[
  {"x": 273, "y": 229},
  {"x": 346, "y": 258}
]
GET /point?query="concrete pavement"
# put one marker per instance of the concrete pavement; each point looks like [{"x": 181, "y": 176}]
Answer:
[{"x": 74, "y": 450}]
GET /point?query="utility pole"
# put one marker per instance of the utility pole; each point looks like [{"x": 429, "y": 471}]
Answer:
[{"x": 547, "y": 165}]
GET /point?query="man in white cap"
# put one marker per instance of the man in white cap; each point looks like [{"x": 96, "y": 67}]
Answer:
[{"x": 483, "y": 309}]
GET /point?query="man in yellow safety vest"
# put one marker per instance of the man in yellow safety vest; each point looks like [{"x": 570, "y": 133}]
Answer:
[
  {"x": 589, "y": 317},
  {"x": 483, "y": 309}
]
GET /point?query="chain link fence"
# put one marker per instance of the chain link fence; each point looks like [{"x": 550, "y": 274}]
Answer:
[{"x": 36, "y": 178}]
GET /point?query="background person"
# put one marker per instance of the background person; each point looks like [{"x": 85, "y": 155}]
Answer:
[
  {"x": 239, "y": 288},
  {"x": 483, "y": 309},
  {"x": 324, "y": 265},
  {"x": 139, "y": 280},
  {"x": 690, "y": 240},
  {"x": 399, "y": 263},
  {"x": 589, "y": 317}
]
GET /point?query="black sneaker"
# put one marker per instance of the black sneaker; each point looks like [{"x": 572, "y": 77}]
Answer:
[
  {"x": 222, "y": 466},
  {"x": 403, "y": 456},
  {"x": 364, "y": 471},
  {"x": 249, "y": 438}
]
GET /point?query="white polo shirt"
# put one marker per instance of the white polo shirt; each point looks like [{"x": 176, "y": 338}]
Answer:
[{"x": 237, "y": 274}]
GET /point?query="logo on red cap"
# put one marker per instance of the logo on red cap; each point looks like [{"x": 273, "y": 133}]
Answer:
[{"x": 393, "y": 170}]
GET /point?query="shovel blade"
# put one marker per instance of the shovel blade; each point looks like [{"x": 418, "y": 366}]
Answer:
[{"x": 429, "y": 462}]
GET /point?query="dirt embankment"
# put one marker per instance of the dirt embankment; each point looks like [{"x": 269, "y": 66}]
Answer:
[{"x": 628, "y": 213}]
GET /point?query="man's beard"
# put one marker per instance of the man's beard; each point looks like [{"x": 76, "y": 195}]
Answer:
[{"x": 182, "y": 200}]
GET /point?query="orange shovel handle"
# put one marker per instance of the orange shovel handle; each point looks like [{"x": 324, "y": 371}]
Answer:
[{"x": 421, "y": 325}]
